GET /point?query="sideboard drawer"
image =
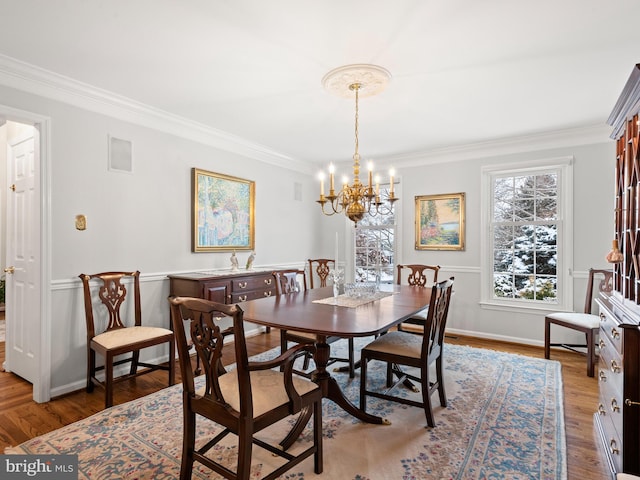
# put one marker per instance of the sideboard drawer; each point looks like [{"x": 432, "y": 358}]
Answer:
[
  {"x": 611, "y": 329},
  {"x": 256, "y": 282},
  {"x": 610, "y": 374},
  {"x": 252, "y": 295},
  {"x": 610, "y": 395}
]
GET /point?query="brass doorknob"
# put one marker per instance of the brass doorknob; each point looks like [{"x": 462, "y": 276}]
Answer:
[{"x": 10, "y": 269}]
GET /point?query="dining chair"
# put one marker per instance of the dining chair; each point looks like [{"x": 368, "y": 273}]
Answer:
[
  {"x": 244, "y": 400},
  {"x": 110, "y": 335},
  {"x": 585, "y": 322},
  {"x": 398, "y": 348},
  {"x": 295, "y": 281},
  {"x": 421, "y": 276},
  {"x": 320, "y": 268}
]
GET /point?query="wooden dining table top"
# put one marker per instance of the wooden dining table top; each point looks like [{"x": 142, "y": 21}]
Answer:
[{"x": 298, "y": 311}]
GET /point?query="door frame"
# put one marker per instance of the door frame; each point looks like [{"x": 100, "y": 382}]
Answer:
[{"x": 42, "y": 382}]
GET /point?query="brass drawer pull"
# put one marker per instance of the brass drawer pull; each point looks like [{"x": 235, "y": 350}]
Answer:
[
  {"x": 603, "y": 376},
  {"x": 267, "y": 281},
  {"x": 630, "y": 403},
  {"x": 613, "y": 447},
  {"x": 615, "y": 368},
  {"x": 242, "y": 298},
  {"x": 615, "y": 333},
  {"x": 601, "y": 344},
  {"x": 602, "y": 317},
  {"x": 267, "y": 294},
  {"x": 614, "y": 406},
  {"x": 242, "y": 284},
  {"x": 601, "y": 410}
]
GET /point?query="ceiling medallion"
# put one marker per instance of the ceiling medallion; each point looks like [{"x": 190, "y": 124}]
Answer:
[{"x": 372, "y": 79}]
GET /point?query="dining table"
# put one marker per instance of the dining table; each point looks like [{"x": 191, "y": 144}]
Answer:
[{"x": 317, "y": 311}]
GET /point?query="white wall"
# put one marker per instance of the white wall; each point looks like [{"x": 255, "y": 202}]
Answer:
[
  {"x": 593, "y": 231},
  {"x": 143, "y": 221}
]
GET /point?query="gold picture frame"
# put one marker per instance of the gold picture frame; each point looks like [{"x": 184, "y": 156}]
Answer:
[
  {"x": 223, "y": 212},
  {"x": 440, "y": 222}
]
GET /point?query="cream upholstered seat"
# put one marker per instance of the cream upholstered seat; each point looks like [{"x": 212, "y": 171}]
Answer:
[
  {"x": 586, "y": 322},
  {"x": 268, "y": 390},
  {"x": 122, "y": 337},
  {"x": 119, "y": 336},
  {"x": 244, "y": 400},
  {"x": 400, "y": 348}
]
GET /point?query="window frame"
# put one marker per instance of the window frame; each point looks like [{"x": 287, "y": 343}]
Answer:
[
  {"x": 563, "y": 166},
  {"x": 397, "y": 241}
]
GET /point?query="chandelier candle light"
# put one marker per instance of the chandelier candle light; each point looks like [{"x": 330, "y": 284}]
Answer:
[{"x": 356, "y": 199}]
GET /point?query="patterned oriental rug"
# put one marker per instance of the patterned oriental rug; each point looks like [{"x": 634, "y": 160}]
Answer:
[{"x": 505, "y": 420}]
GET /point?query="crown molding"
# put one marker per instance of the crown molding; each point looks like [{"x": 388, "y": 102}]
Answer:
[
  {"x": 571, "y": 137},
  {"x": 38, "y": 81}
]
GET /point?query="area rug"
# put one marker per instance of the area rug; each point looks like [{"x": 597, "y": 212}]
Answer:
[{"x": 504, "y": 420}]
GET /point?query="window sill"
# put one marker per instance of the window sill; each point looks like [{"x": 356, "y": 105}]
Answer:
[{"x": 522, "y": 308}]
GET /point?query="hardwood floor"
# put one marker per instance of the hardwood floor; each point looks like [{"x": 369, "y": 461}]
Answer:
[{"x": 22, "y": 419}]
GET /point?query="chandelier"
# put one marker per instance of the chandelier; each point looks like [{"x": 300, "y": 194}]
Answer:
[{"x": 355, "y": 199}]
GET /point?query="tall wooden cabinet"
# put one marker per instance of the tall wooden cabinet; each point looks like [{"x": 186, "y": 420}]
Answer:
[{"x": 618, "y": 413}]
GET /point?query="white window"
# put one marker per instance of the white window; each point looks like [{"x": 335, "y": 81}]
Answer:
[
  {"x": 375, "y": 240},
  {"x": 527, "y": 258}
]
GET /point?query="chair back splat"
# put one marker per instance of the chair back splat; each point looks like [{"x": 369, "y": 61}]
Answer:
[
  {"x": 398, "y": 348},
  {"x": 421, "y": 276},
  {"x": 290, "y": 281},
  {"x": 320, "y": 268},
  {"x": 586, "y": 323},
  {"x": 244, "y": 400},
  {"x": 119, "y": 336},
  {"x": 418, "y": 274}
]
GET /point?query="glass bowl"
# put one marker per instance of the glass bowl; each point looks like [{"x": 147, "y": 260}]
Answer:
[{"x": 360, "y": 289}]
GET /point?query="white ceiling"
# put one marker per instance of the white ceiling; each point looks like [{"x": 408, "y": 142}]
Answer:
[{"x": 463, "y": 71}]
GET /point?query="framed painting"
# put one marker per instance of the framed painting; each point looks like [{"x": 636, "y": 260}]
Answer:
[
  {"x": 222, "y": 212},
  {"x": 440, "y": 222}
]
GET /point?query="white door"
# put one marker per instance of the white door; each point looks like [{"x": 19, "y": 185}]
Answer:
[{"x": 23, "y": 258}]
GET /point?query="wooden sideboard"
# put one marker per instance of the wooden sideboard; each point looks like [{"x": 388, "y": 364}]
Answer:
[
  {"x": 618, "y": 413},
  {"x": 224, "y": 287}
]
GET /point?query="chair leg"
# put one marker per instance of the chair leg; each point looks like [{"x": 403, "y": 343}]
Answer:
[
  {"x": 318, "y": 460},
  {"x": 547, "y": 338},
  {"x": 135, "y": 358},
  {"x": 245, "y": 447},
  {"x": 426, "y": 397},
  {"x": 440, "y": 380},
  {"x": 591, "y": 351},
  {"x": 305, "y": 363},
  {"x": 363, "y": 383},
  {"x": 172, "y": 362},
  {"x": 108, "y": 380},
  {"x": 188, "y": 445},
  {"x": 352, "y": 363},
  {"x": 91, "y": 369}
]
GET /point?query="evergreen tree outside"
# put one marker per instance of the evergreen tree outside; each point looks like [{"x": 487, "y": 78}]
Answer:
[{"x": 525, "y": 231}]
